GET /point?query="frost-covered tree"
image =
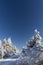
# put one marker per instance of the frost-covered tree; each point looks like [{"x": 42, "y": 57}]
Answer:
[
  {"x": 33, "y": 53},
  {"x": 7, "y": 47},
  {"x": 35, "y": 40}
]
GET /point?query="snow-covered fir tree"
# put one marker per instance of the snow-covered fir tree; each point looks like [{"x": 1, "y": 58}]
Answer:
[
  {"x": 7, "y": 47},
  {"x": 32, "y": 53}
]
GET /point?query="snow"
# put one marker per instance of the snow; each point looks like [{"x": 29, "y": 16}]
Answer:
[
  {"x": 4, "y": 60},
  {"x": 32, "y": 53}
]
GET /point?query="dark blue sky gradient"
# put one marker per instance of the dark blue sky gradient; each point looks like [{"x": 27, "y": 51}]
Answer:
[{"x": 19, "y": 18}]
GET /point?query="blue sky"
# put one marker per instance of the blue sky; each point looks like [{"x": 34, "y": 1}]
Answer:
[{"x": 19, "y": 18}]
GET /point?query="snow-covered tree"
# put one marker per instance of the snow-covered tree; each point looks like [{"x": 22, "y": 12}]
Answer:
[
  {"x": 33, "y": 54},
  {"x": 35, "y": 40},
  {"x": 7, "y": 47}
]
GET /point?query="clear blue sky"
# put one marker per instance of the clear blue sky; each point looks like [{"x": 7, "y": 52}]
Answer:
[{"x": 19, "y": 18}]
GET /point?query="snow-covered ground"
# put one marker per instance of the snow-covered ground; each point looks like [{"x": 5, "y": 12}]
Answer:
[
  {"x": 4, "y": 60},
  {"x": 8, "y": 63}
]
